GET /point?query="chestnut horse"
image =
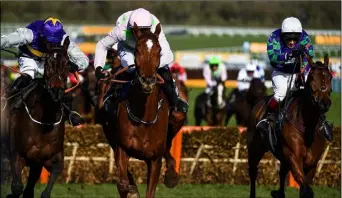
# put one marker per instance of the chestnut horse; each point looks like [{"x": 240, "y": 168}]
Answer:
[
  {"x": 301, "y": 141},
  {"x": 36, "y": 126},
  {"x": 141, "y": 127}
]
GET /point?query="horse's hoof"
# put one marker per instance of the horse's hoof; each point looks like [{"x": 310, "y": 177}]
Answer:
[
  {"x": 45, "y": 195},
  {"x": 12, "y": 196},
  {"x": 17, "y": 189},
  {"x": 171, "y": 178},
  {"x": 133, "y": 195},
  {"x": 306, "y": 192},
  {"x": 277, "y": 194},
  {"x": 28, "y": 193}
]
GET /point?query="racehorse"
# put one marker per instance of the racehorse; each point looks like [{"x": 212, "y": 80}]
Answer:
[
  {"x": 300, "y": 139},
  {"x": 211, "y": 110},
  {"x": 242, "y": 106},
  {"x": 141, "y": 127},
  {"x": 36, "y": 125}
]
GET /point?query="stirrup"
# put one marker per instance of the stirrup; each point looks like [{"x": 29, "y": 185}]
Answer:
[
  {"x": 80, "y": 122},
  {"x": 265, "y": 120}
]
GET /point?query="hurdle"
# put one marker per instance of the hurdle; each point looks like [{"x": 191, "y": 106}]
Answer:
[{"x": 176, "y": 148}]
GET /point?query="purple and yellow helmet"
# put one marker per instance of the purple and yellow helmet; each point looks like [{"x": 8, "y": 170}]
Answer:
[{"x": 53, "y": 30}]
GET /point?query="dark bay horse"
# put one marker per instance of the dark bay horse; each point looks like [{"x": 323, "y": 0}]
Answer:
[
  {"x": 242, "y": 106},
  {"x": 141, "y": 127},
  {"x": 301, "y": 141},
  {"x": 211, "y": 109},
  {"x": 36, "y": 127}
]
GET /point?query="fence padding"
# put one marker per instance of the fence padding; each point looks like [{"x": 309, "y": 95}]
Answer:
[{"x": 222, "y": 159}]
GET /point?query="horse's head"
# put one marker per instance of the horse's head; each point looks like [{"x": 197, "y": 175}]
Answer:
[
  {"x": 56, "y": 70},
  {"x": 319, "y": 83},
  {"x": 147, "y": 56},
  {"x": 257, "y": 88}
]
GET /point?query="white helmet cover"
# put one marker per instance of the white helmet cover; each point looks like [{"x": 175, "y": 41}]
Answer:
[
  {"x": 291, "y": 25},
  {"x": 141, "y": 17}
]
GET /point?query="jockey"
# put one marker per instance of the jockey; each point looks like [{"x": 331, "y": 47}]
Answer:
[
  {"x": 214, "y": 74},
  {"x": 122, "y": 35},
  {"x": 31, "y": 41},
  {"x": 245, "y": 75},
  {"x": 180, "y": 71},
  {"x": 284, "y": 47}
]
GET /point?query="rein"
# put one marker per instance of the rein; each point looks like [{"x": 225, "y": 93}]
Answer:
[
  {"x": 112, "y": 77},
  {"x": 136, "y": 119},
  {"x": 42, "y": 123}
]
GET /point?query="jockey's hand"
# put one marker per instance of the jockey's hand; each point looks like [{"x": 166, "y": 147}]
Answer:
[
  {"x": 72, "y": 67},
  {"x": 299, "y": 52},
  {"x": 299, "y": 82},
  {"x": 101, "y": 73}
]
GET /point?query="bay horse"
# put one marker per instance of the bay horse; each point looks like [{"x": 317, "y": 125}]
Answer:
[
  {"x": 36, "y": 126},
  {"x": 301, "y": 141},
  {"x": 141, "y": 127},
  {"x": 210, "y": 109},
  {"x": 242, "y": 106}
]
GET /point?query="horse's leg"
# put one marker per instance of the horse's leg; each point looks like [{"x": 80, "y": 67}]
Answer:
[
  {"x": 34, "y": 175},
  {"x": 297, "y": 170},
  {"x": 133, "y": 189},
  {"x": 153, "y": 173},
  {"x": 171, "y": 178},
  {"x": 121, "y": 160},
  {"x": 55, "y": 167},
  {"x": 17, "y": 165},
  {"x": 284, "y": 170},
  {"x": 198, "y": 116},
  {"x": 230, "y": 112},
  {"x": 255, "y": 152}
]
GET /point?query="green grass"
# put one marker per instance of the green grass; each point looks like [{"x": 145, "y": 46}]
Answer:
[
  {"x": 334, "y": 114},
  {"x": 184, "y": 190}
]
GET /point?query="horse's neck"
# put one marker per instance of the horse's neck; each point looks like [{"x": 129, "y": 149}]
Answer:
[
  {"x": 144, "y": 105},
  {"x": 40, "y": 98},
  {"x": 304, "y": 111}
]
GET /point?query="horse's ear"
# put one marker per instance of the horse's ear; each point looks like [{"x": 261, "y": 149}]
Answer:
[
  {"x": 310, "y": 60},
  {"x": 66, "y": 43},
  {"x": 158, "y": 30},
  {"x": 136, "y": 31},
  {"x": 326, "y": 60}
]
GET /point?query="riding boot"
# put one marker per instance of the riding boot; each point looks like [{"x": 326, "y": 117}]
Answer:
[
  {"x": 270, "y": 115},
  {"x": 110, "y": 99},
  {"x": 326, "y": 127},
  {"x": 18, "y": 84},
  {"x": 171, "y": 91},
  {"x": 75, "y": 118}
]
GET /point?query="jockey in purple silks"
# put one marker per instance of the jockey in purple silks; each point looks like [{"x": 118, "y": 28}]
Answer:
[{"x": 32, "y": 41}]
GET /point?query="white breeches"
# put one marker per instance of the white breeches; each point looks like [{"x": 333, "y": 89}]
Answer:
[
  {"x": 220, "y": 88},
  {"x": 31, "y": 67},
  {"x": 243, "y": 85},
  {"x": 280, "y": 83}
]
